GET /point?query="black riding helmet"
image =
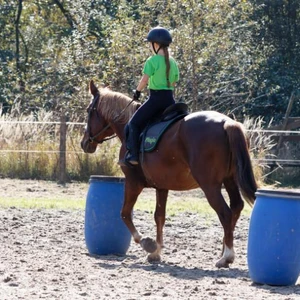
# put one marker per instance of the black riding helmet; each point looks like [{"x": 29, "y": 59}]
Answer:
[{"x": 159, "y": 35}]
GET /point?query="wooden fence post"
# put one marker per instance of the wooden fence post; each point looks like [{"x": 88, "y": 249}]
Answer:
[
  {"x": 62, "y": 150},
  {"x": 285, "y": 120}
]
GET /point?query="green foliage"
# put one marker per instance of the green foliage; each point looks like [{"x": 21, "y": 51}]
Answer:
[
  {"x": 235, "y": 56},
  {"x": 278, "y": 41},
  {"x": 239, "y": 57}
]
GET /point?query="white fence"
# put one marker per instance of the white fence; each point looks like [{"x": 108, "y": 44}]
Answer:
[{"x": 63, "y": 128}]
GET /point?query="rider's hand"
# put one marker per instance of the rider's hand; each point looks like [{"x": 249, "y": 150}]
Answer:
[{"x": 136, "y": 95}]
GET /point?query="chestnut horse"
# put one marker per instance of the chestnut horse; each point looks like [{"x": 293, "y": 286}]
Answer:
[{"x": 204, "y": 149}]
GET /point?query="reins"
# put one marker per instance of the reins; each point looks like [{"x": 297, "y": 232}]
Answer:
[{"x": 93, "y": 107}]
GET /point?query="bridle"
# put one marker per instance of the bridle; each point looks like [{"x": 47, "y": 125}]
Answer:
[{"x": 93, "y": 108}]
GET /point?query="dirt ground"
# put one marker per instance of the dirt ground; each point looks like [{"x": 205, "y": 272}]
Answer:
[{"x": 43, "y": 256}]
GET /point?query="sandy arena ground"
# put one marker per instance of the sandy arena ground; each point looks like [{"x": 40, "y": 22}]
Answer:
[{"x": 43, "y": 256}]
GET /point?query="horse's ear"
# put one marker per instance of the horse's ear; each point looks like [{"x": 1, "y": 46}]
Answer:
[
  {"x": 93, "y": 89},
  {"x": 107, "y": 86}
]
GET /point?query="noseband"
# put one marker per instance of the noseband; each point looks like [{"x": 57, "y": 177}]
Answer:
[{"x": 93, "y": 108}]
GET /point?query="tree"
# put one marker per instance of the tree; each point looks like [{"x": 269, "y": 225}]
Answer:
[
  {"x": 239, "y": 57},
  {"x": 278, "y": 41}
]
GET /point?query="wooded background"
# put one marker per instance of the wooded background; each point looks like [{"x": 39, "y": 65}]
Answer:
[{"x": 239, "y": 57}]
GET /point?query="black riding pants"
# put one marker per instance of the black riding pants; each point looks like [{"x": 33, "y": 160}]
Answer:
[{"x": 157, "y": 102}]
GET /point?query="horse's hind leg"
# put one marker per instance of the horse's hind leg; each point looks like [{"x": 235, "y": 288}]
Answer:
[
  {"x": 236, "y": 201},
  {"x": 217, "y": 202},
  {"x": 160, "y": 217}
]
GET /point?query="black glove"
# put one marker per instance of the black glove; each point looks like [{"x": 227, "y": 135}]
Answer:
[{"x": 136, "y": 95}]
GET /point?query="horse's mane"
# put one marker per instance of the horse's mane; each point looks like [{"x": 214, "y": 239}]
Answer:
[{"x": 115, "y": 105}]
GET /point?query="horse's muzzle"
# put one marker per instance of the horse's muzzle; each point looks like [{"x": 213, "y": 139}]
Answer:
[{"x": 87, "y": 146}]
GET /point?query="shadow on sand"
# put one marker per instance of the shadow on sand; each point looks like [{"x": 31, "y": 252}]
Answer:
[{"x": 132, "y": 262}]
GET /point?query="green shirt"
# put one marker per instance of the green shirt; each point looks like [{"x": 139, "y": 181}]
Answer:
[{"x": 155, "y": 68}]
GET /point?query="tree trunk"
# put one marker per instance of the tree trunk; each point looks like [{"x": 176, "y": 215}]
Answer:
[{"x": 17, "y": 30}]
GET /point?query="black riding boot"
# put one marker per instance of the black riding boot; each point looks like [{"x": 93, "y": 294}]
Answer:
[{"x": 132, "y": 143}]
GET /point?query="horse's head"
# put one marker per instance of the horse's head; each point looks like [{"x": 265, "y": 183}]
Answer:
[{"x": 97, "y": 128}]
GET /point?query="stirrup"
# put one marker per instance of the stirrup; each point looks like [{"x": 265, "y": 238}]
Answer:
[
  {"x": 132, "y": 161},
  {"x": 123, "y": 163},
  {"x": 128, "y": 161}
]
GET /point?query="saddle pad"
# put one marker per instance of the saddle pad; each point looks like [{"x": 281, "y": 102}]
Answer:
[{"x": 152, "y": 134}]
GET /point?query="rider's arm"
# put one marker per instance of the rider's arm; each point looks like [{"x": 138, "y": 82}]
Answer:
[{"x": 143, "y": 83}]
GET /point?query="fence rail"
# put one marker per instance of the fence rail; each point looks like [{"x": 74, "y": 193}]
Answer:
[
  {"x": 279, "y": 162},
  {"x": 40, "y": 122},
  {"x": 62, "y": 151}
]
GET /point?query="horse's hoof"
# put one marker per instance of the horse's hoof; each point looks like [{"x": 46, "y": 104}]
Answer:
[
  {"x": 222, "y": 263},
  {"x": 153, "y": 258},
  {"x": 149, "y": 245}
]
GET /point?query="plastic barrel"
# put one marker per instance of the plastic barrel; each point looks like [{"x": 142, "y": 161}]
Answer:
[
  {"x": 274, "y": 238},
  {"x": 105, "y": 231}
]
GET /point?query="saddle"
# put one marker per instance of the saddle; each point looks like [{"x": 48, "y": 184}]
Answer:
[{"x": 151, "y": 135}]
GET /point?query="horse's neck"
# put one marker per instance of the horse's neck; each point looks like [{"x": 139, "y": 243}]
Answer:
[
  {"x": 125, "y": 112},
  {"x": 119, "y": 130}
]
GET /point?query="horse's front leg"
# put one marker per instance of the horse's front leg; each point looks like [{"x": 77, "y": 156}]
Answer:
[
  {"x": 160, "y": 217},
  {"x": 130, "y": 196}
]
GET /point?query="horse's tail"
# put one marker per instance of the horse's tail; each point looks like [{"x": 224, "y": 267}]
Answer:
[{"x": 240, "y": 160}]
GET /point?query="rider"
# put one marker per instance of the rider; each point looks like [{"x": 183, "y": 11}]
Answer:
[{"x": 160, "y": 73}]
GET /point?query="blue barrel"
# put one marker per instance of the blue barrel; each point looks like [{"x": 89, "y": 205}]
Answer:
[
  {"x": 274, "y": 238},
  {"x": 105, "y": 231}
]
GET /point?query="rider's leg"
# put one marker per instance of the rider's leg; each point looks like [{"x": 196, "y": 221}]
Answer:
[
  {"x": 156, "y": 103},
  {"x": 133, "y": 145}
]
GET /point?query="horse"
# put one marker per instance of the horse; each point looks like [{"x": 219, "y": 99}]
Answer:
[{"x": 204, "y": 149}]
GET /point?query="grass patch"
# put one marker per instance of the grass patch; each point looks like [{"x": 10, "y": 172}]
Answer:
[
  {"x": 177, "y": 204},
  {"x": 175, "y": 207},
  {"x": 38, "y": 203},
  {"x": 190, "y": 205}
]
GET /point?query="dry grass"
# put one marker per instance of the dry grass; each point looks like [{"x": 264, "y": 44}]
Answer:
[
  {"x": 261, "y": 147},
  {"x": 31, "y": 150}
]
